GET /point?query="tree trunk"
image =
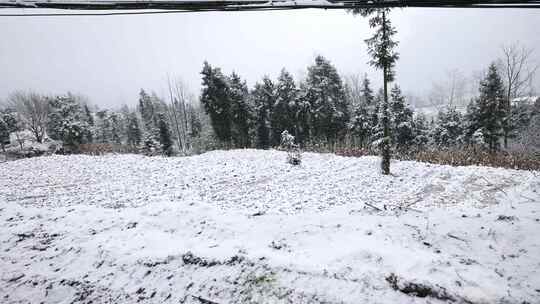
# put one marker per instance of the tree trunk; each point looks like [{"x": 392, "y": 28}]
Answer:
[
  {"x": 37, "y": 134},
  {"x": 19, "y": 140},
  {"x": 507, "y": 114},
  {"x": 385, "y": 151}
]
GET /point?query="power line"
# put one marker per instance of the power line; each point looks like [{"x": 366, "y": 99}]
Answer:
[
  {"x": 98, "y": 14},
  {"x": 175, "y": 7}
]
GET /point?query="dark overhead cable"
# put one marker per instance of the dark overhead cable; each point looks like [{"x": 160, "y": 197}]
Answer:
[{"x": 146, "y": 7}]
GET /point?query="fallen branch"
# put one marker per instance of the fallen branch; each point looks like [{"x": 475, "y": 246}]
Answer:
[
  {"x": 374, "y": 207},
  {"x": 528, "y": 198},
  {"x": 457, "y": 238},
  {"x": 494, "y": 186},
  {"x": 409, "y": 208},
  {"x": 16, "y": 278},
  {"x": 258, "y": 213},
  {"x": 203, "y": 300}
]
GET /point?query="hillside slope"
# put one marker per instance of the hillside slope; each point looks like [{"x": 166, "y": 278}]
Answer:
[{"x": 245, "y": 227}]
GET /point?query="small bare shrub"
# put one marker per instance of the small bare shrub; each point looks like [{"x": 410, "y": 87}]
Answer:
[{"x": 100, "y": 149}]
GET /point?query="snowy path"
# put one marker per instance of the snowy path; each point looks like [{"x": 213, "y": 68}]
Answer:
[{"x": 128, "y": 228}]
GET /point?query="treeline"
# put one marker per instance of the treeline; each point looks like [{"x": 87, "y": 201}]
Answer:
[
  {"x": 323, "y": 111},
  {"x": 153, "y": 127}
]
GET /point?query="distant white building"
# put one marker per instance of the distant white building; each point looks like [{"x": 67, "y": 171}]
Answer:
[{"x": 525, "y": 100}]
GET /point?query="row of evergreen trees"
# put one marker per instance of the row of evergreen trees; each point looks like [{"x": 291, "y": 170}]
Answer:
[
  {"x": 323, "y": 110},
  {"x": 317, "y": 110}
]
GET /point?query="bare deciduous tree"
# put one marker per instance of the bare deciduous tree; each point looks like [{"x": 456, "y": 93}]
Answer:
[
  {"x": 518, "y": 70},
  {"x": 33, "y": 109},
  {"x": 451, "y": 91},
  {"x": 353, "y": 86},
  {"x": 177, "y": 112}
]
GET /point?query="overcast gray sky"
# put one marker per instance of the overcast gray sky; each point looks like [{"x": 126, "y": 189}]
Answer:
[{"x": 109, "y": 59}]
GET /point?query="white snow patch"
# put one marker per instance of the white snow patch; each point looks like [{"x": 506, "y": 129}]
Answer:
[{"x": 245, "y": 227}]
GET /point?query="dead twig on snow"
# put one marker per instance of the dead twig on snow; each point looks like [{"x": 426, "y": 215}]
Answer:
[
  {"x": 494, "y": 186},
  {"x": 457, "y": 238},
  {"x": 203, "y": 300},
  {"x": 372, "y": 206}
]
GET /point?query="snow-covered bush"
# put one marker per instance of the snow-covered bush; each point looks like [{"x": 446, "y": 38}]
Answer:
[
  {"x": 150, "y": 146},
  {"x": 294, "y": 155},
  {"x": 479, "y": 138}
]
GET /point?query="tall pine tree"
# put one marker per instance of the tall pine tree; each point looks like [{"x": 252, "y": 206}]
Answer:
[
  {"x": 381, "y": 48},
  {"x": 134, "y": 134},
  {"x": 165, "y": 138},
  {"x": 241, "y": 112},
  {"x": 216, "y": 101},
  {"x": 491, "y": 108},
  {"x": 326, "y": 96},
  {"x": 401, "y": 117},
  {"x": 363, "y": 121},
  {"x": 283, "y": 116},
  {"x": 148, "y": 111},
  {"x": 421, "y": 132},
  {"x": 263, "y": 98}
]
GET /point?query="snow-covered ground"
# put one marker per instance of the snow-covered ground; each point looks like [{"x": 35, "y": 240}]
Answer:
[{"x": 245, "y": 227}]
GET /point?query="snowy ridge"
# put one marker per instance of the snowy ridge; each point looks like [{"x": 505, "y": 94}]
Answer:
[{"x": 245, "y": 227}]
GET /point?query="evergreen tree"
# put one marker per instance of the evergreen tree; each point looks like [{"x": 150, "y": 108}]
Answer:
[
  {"x": 149, "y": 144},
  {"x": 326, "y": 96},
  {"x": 362, "y": 121},
  {"x": 10, "y": 124},
  {"x": 448, "y": 130},
  {"x": 519, "y": 119},
  {"x": 103, "y": 128},
  {"x": 241, "y": 112},
  {"x": 367, "y": 92},
  {"x": 381, "y": 49},
  {"x": 471, "y": 123},
  {"x": 66, "y": 121},
  {"x": 301, "y": 111},
  {"x": 88, "y": 115},
  {"x": 361, "y": 124},
  {"x": 490, "y": 108},
  {"x": 282, "y": 115},
  {"x": 421, "y": 132},
  {"x": 215, "y": 99},
  {"x": 165, "y": 139},
  {"x": 4, "y": 133},
  {"x": 401, "y": 117},
  {"x": 134, "y": 134},
  {"x": 194, "y": 122},
  {"x": 89, "y": 118},
  {"x": 263, "y": 98},
  {"x": 15, "y": 124},
  {"x": 147, "y": 109},
  {"x": 10, "y": 119},
  {"x": 116, "y": 128},
  {"x": 377, "y": 129}
]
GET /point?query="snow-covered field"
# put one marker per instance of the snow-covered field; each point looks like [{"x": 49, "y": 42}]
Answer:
[{"x": 245, "y": 227}]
